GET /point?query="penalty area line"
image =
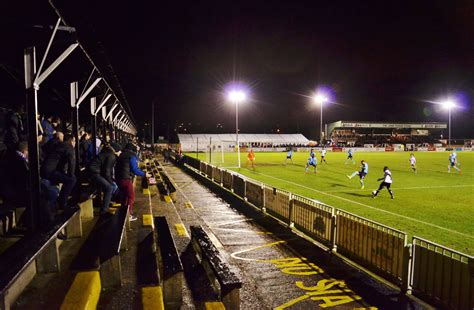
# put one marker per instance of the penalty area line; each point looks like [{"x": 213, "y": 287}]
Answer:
[{"x": 370, "y": 207}]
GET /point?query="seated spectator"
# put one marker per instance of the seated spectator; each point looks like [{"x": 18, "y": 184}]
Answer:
[
  {"x": 13, "y": 129},
  {"x": 15, "y": 186},
  {"x": 101, "y": 170},
  {"x": 126, "y": 167},
  {"x": 59, "y": 167},
  {"x": 51, "y": 145}
]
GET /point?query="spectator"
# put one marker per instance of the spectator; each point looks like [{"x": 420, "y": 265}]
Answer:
[
  {"x": 126, "y": 167},
  {"x": 59, "y": 167},
  {"x": 13, "y": 129},
  {"x": 84, "y": 154},
  {"x": 50, "y": 126},
  {"x": 15, "y": 187},
  {"x": 101, "y": 171}
]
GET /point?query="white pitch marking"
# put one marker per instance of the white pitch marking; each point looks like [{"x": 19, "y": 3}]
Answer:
[
  {"x": 241, "y": 230},
  {"x": 234, "y": 255},
  {"x": 370, "y": 207},
  {"x": 404, "y": 188},
  {"x": 231, "y": 222}
]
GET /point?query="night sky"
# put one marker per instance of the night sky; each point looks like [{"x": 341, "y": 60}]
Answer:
[{"x": 383, "y": 60}]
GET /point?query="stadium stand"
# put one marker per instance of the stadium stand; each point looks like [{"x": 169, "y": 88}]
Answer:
[{"x": 356, "y": 133}]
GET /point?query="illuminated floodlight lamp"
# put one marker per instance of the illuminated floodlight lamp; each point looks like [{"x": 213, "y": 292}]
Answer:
[
  {"x": 320, "y": 98},
  {"x": 236, "y": 96},
  {"x": 448, "y": 104}
]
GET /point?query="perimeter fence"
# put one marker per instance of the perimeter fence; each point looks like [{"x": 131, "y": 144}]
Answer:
[{"x": 435, "y": 273}]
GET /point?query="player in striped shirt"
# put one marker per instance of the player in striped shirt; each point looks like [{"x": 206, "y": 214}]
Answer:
[
  {"x": 349, "y": 157},
  {"x": 364, "y": 169},
  {"x": 453, "y": 162},
  {"x": 312, "y": 161},
  {"x": 289, "y": 156},
  {"x": 386, "y": 182}
]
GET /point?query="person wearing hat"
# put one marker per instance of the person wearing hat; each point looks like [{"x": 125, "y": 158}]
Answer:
[
  {"x": 101, "y": 174},
  {"x": 127, "y": 166}
]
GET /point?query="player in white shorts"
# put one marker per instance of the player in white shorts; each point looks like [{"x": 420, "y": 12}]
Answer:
[
  {"x": 323, "y": 154},
  {"x": 413, "y": 162}
]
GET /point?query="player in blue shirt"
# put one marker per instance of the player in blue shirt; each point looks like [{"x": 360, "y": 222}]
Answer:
[
  {"x": 453, "y": 162},
  {"x": 289, "y": 156},
  {"x": 312, "y": 161},
  {"x": 349, "y": 157},
  {"x": 364, "y": 169}
]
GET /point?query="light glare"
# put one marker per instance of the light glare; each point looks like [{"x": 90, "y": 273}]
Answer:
[
  {"x": 448, "y": 104},
  {"x": 237, "y": 96},
  {"x": 319, "y": 98}
]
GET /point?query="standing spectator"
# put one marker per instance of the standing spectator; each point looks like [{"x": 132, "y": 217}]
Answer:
[
  {"x": 13, "y": 129},
  {"x": 50, "y": 126},
  {"x": 59, "y": 167},
  {"x": 126, "y": 167},
  {"x": 84, "y": 145},
  {"x": 101, "y": 171}
]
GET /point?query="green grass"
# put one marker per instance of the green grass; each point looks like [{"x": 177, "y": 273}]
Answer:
[{"x": 431, "y": 204}]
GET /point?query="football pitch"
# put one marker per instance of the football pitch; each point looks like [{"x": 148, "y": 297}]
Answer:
[{"x": 431, "y": 204}]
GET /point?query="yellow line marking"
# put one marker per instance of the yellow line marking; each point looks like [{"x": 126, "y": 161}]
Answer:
[
  {"x": 167, "y": 198},
  {"x": 188, "y": 205},
  {"x": 84, "y": 292},
  {"x": 115, "y": 204},
  {"x": 181, "y": 230},
  {"x": 152, "y": 298},
  {"x": 147, "y": 220},
  {"x": 214, "y": 305},
  {"x": 146, "y": 191},
  {"x": 368, "y": 308},
  {"x": 234, "y": 255}
]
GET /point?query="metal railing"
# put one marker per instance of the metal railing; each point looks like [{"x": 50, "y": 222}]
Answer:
[
  {"x": 313, "y": 218},
  {"x": 442, "y": 275},
  {"x": 277, "y": 203},
  {"x": 434, "y": 272},
  {"x": 371, "y": 244},
  {"x": 254, "y": 193}
]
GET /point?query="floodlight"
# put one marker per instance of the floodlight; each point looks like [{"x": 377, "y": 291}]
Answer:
[
  {"x": 237, "y": 96},
  {"x": 320, "y": 98},
  {"x": 448, "y": 104}
]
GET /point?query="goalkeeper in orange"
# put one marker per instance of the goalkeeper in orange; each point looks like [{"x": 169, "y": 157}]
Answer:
[{"x": 250, "y": 159}]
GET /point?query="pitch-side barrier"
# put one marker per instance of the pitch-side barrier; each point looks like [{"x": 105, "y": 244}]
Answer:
[{"x": 430, "y": 271}]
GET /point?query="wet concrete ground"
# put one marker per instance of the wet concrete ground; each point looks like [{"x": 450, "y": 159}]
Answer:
[{"x": 279, "y": 268}]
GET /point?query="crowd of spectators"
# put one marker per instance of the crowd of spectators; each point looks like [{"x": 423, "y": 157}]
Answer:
[{"x": 109, "y": 167}]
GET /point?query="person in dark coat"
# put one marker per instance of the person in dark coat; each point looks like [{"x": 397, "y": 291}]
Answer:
[
  {"x": 126, "y": 167},
  {"x": 13, "y": 129},
  {"x": 101, "y": 174},
  {"x": 16, "y": 187},
  {"x": 84, "y": 145},
  {"x": 59, "y": 166}
]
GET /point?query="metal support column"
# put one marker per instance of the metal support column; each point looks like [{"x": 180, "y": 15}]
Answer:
[
  {"x": 75, "y": 121},
  {"x": 93, "y": 124},
  {"x": 33, "y": 150},
  {"x": 104, "y": 124}
]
